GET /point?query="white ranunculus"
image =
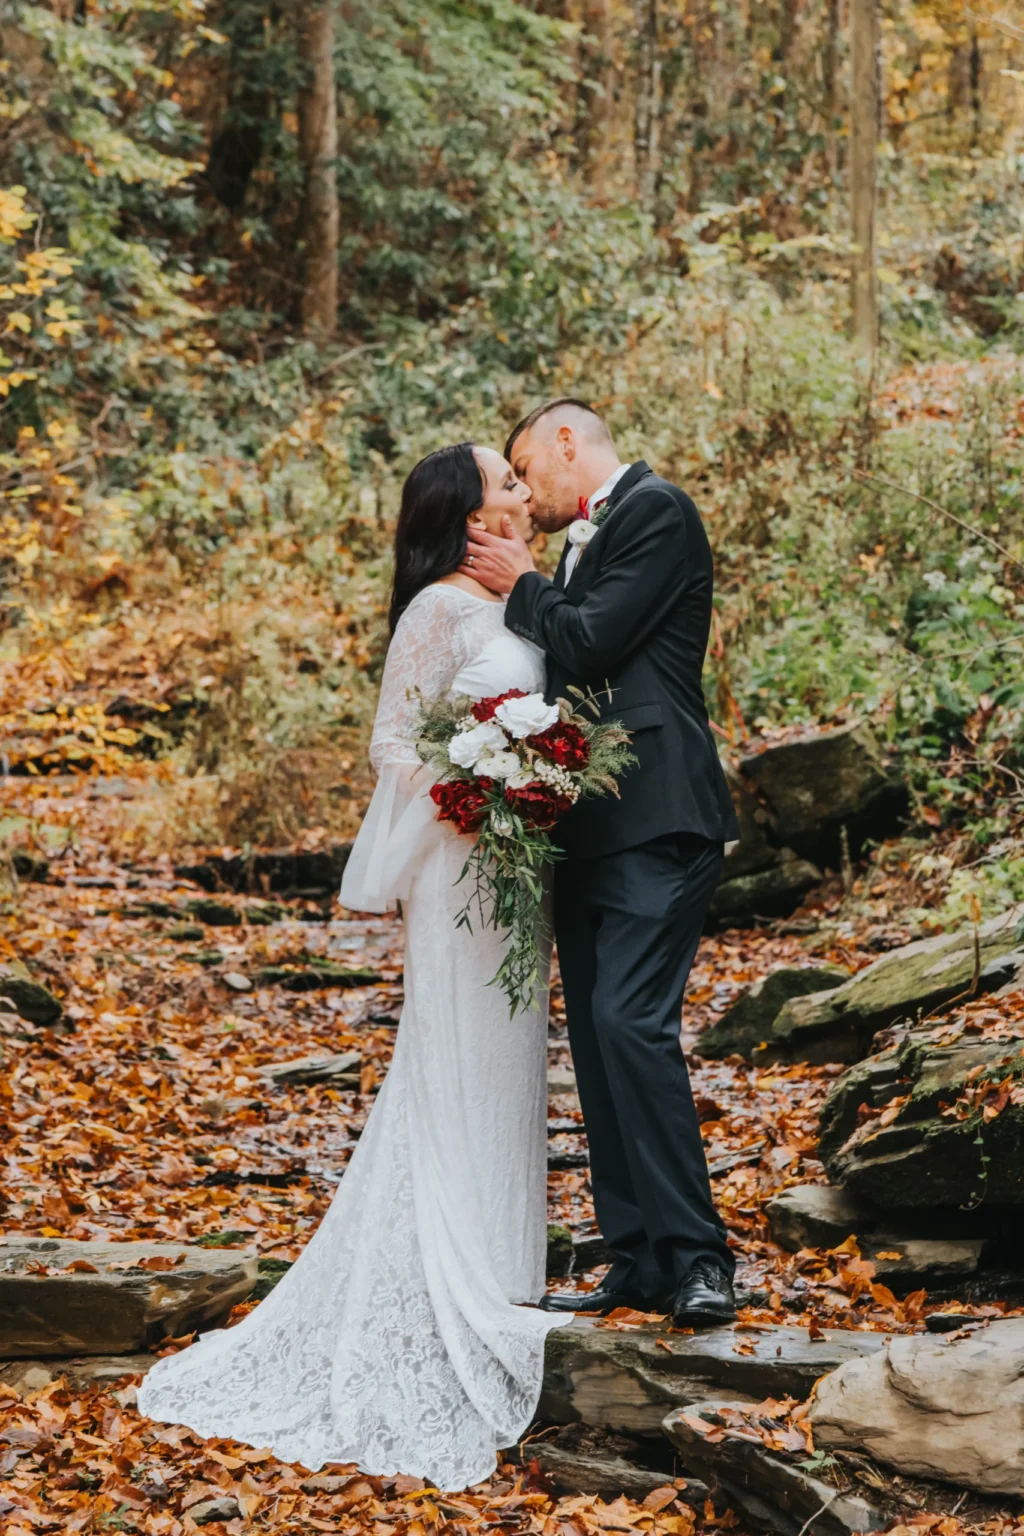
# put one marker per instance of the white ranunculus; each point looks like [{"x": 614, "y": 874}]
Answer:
[
  {"x": 521, "y": 779},
  {"x": 526, "y": 717},
  {"x": 467, "y": 747},
  {"x": 581, "y": 532},
  {"x": 496, "y": 765}
]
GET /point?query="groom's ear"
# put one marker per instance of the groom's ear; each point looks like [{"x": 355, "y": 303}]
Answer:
[{"x": 565, "y": 437}]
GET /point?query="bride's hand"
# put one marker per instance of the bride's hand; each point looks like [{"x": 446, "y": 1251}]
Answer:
[{"x": 497, "y": 563}]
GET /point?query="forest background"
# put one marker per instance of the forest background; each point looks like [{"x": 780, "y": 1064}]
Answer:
[{"x": 258, "y": 258}]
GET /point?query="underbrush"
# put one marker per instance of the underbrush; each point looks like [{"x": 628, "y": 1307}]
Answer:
[{"x": 221, "y": 606}]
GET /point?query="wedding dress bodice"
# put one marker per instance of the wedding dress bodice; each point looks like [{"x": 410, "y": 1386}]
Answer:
[{"x": 447, "y": 642}]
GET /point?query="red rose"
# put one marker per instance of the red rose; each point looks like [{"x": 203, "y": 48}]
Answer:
[
  {"x": 462, "y": 801},
  {"x": 483, "y": 709},
  {"x": 562, "y": 743},
  {"x": 538, "y": 805}
]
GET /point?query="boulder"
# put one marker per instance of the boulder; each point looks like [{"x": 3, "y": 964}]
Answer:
[
  {"x": 817, "y": 784},
  {"x": 749, "y": 1021},
  {"x": 772, "y": 1490},
  {"x": 771, "y": 892},
  {"x": 891, "y": 1138},
  {"x": 626, "y": 1380},
  {"x": 949, "y": 1408},
  {"x": 907, "y": 984},
  {"x": 30, "y": 1000},
  {"x": 59, "y": 1297}
]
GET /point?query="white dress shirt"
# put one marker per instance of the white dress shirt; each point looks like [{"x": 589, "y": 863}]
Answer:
[{"x": 598, "y": 499}]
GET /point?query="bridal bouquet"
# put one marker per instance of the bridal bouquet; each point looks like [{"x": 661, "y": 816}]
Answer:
[{"x": 507, "y": 768}]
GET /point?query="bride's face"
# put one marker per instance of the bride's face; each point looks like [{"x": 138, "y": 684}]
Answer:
[{"x": 504, "y": 496}]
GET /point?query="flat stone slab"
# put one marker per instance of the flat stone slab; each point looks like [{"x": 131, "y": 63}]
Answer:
[
  {"x": 771, "y": 1489},
  {"x": 579, "y": 1459},
  {"x": 322, "y": 1068},
  {"x": 903, "y": 986},
  {"x": 83, "y": 1371},
  {"x": 903, "y": 1247},
  {"x": 65, "y": 1298},
  {"x": 627, "y": 1380}
]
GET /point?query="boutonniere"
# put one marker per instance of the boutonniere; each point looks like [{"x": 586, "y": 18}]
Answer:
[{"x": 581, "y": 532}]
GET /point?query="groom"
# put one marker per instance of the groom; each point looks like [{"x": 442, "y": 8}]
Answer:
[{"x": 628, "y": 612}]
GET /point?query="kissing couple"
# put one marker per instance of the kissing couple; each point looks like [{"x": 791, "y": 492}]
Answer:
[{"x": 409, "y": 1337}]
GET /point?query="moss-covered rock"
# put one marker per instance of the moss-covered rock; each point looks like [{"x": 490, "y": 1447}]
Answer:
[
  {"x": 31, "y": 1001},
  {"x": 560, "y": 1250},
  {"x": 903, "y": 986},
  {"x": 772, "y": 892},
  {"x": 311, "y": 977},
  {"x": 218, "y": 914},
  {"x": 749, "y": 1021},
  {"x": 824, "y": 781},
  {"x": 906, "y": 1128}
]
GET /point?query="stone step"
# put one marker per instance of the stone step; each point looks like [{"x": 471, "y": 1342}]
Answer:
[
  {"x": 579, "y": 1459},
  {"x": 770, "y": 1489},
  {"x": 627, "y": 1380},
  {"x": 59, "y": 1297},
  {"x": 622, "y": 1381}
]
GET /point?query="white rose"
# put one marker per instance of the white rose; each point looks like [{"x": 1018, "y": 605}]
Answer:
[
  {"x": 467, "y": 747},
  {"x": 497, "y": 765},
  {"x": 521, "y": 779},
  {"x": 526, "y": 717},
  {"x": 581, "y": 532}
]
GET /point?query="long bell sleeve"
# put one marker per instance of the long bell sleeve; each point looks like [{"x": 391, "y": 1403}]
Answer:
[{"x": 426, "y": 654}]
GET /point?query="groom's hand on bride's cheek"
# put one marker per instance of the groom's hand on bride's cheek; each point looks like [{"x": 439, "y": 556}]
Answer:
[{"x": 497, "y": 563}]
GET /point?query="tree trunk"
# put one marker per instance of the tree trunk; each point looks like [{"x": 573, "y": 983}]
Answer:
[
  {"x": 830, "y": 73},
  {"x": 647, "y": 118},
  {"x": 787, "y": 27},
  {"x": 594, "y": 92},
  {"x": 318, "y": 148},
  {"x": 864, "y": 47},
  {"x": 975, "y": 69}
]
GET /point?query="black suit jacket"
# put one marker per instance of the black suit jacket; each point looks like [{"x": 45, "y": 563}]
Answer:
[{"x": 634, "y": 618}]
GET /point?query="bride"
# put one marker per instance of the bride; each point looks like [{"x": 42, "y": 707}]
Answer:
[{"x": 396, "y": 1341}]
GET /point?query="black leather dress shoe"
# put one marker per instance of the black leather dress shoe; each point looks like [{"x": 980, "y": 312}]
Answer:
[
  {"x": 705, "y": 1299},
  {"x": 600, "y": 1301}
]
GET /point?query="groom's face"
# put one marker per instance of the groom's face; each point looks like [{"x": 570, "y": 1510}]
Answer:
[{"x": 545, "y": 460}]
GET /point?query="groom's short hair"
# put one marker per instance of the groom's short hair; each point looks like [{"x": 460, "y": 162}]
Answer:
[{"x": 596, "y": 423}]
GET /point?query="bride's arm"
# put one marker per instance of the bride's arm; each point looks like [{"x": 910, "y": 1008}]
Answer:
[{"x": 425, "y": 656}]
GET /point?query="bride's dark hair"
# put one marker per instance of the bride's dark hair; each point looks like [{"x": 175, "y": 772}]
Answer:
[{"x": 430, "y": 540}]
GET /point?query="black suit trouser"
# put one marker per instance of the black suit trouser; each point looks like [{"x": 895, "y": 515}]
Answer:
[{"x": 627, "y": 926}]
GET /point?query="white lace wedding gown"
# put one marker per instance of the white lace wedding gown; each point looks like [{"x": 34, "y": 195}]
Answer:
[{"x": 394, "y": 1341}]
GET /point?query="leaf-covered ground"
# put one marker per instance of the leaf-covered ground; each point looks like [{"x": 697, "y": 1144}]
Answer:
[{"x": 152, "y": 1119}]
